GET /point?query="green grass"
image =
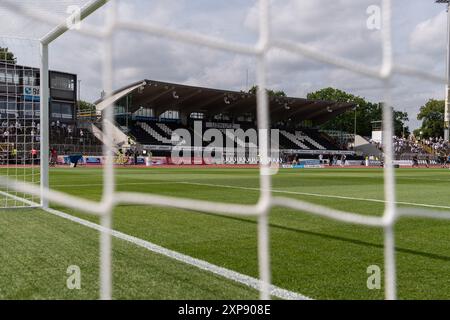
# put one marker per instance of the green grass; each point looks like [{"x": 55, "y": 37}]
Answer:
[{"x": 317, "y": 257}]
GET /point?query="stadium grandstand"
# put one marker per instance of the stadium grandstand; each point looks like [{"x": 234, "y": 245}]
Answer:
[
  {"x": 146, "y": 115},
  {"x": 148, "y": 112}
]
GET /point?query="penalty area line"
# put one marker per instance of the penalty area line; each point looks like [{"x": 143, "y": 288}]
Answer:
[{"x": 200, "y": 264}]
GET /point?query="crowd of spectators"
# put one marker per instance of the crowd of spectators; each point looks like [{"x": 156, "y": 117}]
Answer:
[
  {"x": 19, "y": 131},
  {"x": 411, "y": 145},
  {"x": 437, "y": 145},
  {"x": 70, "y": 134},
  {"x": 407, "y": 145},
  {"x": 23, "y": 135}
]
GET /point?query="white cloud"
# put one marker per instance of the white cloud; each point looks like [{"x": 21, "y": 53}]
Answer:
[{"x": 429, "y": 36}]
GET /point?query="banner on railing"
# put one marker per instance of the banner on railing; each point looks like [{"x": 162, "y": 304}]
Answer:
[{"x": 307, "y": 164}]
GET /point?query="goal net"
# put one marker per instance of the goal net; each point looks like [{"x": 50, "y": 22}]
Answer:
[{"x": 48, "y": 20}]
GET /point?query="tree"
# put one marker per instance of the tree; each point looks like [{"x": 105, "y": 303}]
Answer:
[
  {"x": 270, "y": 92},
  {"x": 366, "y": 112},
  {"x": 7, "y": 56},
  {"x": 84, "y": 106},
  {"x": 432, "y": 116},
  {"x": 400, "y": 119}
]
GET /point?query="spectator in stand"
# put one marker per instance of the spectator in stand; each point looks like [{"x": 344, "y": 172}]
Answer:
[
  {"x": 443, "y": 160},
  {"x": 33, "y": 155},
  {"x": 415, "y": 161},
  {"x": 53, "y": 157},
  {"x": 343, "y": 158}
]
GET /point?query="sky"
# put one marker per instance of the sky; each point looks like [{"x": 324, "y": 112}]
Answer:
[{"x": 336, "y": 27}]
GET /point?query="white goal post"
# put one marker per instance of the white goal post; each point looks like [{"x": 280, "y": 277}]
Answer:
[{"x": 44, "y": 43}]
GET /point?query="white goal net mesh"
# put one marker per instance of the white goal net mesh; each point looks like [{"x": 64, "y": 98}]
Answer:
[
  {"x": 19, "y": 119},
  {"x": 41, "y": 16}
]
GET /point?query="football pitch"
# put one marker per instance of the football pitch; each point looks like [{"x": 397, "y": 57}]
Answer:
[{"x": 312, "y": 256}]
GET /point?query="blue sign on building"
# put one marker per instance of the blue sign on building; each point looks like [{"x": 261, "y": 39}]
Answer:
[{"x": 32, "y": 94}]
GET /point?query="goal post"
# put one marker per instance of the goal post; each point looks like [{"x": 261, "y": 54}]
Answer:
[
  {"x": 44, "y": 120},
  {"x": 106, "y": 220},
  {"x": 45, "y": 41}
]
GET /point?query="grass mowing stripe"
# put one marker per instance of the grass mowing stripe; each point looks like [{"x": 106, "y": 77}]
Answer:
[
  {"x": 203, "y": 265},
  {"x": 317, "y": 195},
  {"x": 101, "y": 184}
]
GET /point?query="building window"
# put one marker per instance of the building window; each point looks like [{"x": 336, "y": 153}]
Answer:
[
  {"x": 62, "y": 82},
  {"x": 66, "y": 111},
  {"x": 3, "y": 75},
  {"x": 3, "y": 104},
  {"x": 28, "y": 109},
  {"x": 61, "y": 110},
  {"x": 56, "y": 110},
  {"x": 28, "y": 78},
  {"x": 12, "y": 107},
  {"x": 8, "y": 105},
  {"x": 9, "y": 76}
]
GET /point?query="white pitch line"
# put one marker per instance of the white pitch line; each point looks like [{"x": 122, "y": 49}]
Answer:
[
  {"x": 200, "y": 264},
  {"x": 29, "y": 204},
  {"x": 317, "y": 195}
]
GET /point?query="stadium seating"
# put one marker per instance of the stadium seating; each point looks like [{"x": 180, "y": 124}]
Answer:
[
  {"x": 152, "y": 131},
  {"x": 296, "y": 142},
  {"x": 160, "y": 133},
  {"x": 307, "y": 139},
  {"x": 142, "y": 136}
]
